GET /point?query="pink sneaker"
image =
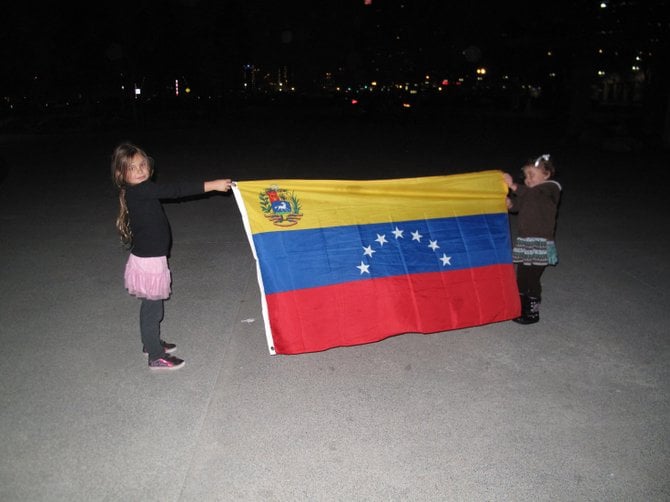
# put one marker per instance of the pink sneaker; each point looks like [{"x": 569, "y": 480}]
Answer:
[{"x": 166, "y": 363}]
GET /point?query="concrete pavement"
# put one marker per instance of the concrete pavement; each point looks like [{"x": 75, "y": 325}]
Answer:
[{"x": 573, "y": 408}]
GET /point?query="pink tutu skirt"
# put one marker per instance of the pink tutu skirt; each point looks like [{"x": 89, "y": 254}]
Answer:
[{"x": 148, "y": 277}]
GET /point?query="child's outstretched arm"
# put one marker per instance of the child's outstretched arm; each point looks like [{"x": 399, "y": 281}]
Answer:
[
  {"x": 222, "y": 185},
  {"x": 510, "y": 182}
]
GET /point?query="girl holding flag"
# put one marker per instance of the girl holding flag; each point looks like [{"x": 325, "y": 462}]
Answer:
[
  {"x": 144, "y": 228},
  {"x": 536, "y": 202}
]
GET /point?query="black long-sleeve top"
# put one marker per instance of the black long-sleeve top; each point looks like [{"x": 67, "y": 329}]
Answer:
[{"x": 148, "y": 221}]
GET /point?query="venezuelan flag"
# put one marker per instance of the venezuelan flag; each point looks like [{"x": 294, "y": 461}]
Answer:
[{"x": 344, "y": 262}]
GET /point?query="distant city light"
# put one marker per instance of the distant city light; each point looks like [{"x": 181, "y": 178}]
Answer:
[
  {"x": 481, "y": 71},
  {"x": 176, "y": 87},
  {"x": 603, "y": 5}
]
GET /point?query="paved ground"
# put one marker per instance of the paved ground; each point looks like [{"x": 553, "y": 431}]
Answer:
[{"x": 573, "y": 408}]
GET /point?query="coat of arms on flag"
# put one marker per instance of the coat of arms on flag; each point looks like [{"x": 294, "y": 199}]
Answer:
[
  {"x": 346, "y": 262},
  {"x": 280, "y": 206}
]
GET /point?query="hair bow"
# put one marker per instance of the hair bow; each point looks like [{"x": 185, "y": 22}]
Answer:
[{"x": 544, "y": 157}]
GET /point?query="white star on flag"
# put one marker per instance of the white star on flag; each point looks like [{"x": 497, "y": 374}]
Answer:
[
  {"x": 363, "y": 268},
  {"x": 446, "y": 260},
  {"x": 398, "y": 233}
]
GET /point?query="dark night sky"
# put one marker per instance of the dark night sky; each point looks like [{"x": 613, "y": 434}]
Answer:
[{"x": 77, "y": 43}]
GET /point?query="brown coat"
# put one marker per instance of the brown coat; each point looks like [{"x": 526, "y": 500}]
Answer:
[{"x": 537, "y": 208}]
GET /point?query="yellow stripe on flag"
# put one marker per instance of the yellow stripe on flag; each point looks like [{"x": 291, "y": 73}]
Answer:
[{"x": 327, "y": 203}]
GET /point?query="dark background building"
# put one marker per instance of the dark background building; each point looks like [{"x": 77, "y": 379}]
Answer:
[{"x": 519, "y": 56}]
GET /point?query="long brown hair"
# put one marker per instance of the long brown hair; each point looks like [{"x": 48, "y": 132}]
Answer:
[{"x": 121, "y": 159}]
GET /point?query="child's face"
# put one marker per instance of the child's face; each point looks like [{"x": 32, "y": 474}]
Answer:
[
  {"x": 533, "y": 176},
  {"x": 138, "y": 170}
]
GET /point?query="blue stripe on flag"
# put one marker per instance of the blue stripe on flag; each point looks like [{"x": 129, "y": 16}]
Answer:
[{"x": 298, "y": 259}]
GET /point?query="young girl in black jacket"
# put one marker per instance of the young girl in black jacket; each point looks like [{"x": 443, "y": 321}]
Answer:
[{"x": 144, "y": 227}]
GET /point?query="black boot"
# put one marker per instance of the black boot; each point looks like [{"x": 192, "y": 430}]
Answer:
[{"x": 530, "y": 310}]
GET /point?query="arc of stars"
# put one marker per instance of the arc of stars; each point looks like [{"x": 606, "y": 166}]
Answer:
[{"x": 399, "y": 234}]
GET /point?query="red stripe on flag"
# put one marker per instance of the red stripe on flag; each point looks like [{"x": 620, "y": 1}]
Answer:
[{"x": 315, "y": 319}]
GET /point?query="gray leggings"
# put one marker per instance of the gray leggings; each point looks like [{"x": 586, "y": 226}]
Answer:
[{"x": 151, "y": 315}]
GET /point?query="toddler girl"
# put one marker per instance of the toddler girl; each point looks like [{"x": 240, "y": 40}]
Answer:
[{"x": 536, "y": 202}]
